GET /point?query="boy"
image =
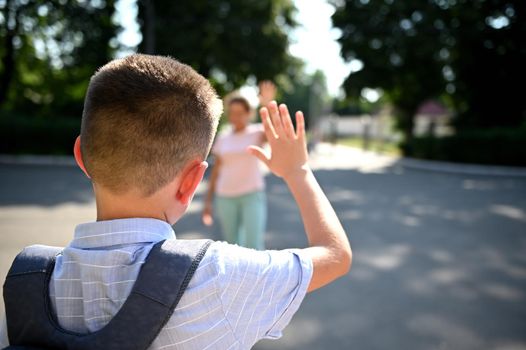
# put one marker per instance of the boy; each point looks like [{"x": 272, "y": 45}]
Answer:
[{"x": 147, "y": 127}]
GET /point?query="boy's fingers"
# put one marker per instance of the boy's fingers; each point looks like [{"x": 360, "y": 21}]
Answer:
[
  {"x": 259, "y": 153},
  {"x": 285, "y": 119},
  {"x": 300, "y": 125},
  {"x": 276, "y": 119},
  {"x": 267, "y": 124}
]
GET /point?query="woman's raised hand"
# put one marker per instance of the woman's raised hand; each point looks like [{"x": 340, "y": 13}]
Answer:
[{"x": 267, "y": 92}]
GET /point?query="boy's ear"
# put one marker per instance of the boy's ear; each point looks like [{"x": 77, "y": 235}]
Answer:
[
  {"x": 191, "y": 176},
  {"x": 78, "y": 156}
]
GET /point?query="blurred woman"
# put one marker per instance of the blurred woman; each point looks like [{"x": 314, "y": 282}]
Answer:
[{"x": 236, "y": 180}]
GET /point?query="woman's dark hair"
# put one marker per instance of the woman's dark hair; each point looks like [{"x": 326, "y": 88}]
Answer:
[{"x": 241, "y": 100}]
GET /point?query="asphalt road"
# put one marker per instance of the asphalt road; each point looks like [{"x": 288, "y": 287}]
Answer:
[{"x": 439, "y": 259}]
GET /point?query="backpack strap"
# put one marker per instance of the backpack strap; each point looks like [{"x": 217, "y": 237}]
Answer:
[
  {"x": 156, "y": 293},
  {"x": 159, "y": 287},
  {"x": 24, "y": 290}
]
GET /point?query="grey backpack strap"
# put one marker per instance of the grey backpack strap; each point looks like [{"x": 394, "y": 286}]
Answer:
[
  {"x": 25, "y": 294},
  {"x": 34, "y": 259},
  {"x": 159, "y": 287}
]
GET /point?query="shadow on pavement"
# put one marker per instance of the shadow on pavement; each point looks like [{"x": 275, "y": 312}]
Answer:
[
  {"x": 43, "y": 185},
  {"x": 439, "y": 262}
]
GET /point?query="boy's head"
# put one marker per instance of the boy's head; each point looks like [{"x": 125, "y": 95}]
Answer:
[{"x": 144, "y": 118}]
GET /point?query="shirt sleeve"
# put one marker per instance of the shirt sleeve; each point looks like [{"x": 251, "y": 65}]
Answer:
[{"x": 261, "y": 290}]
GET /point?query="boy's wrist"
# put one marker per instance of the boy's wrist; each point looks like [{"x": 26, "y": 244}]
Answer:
[{"x": 297, "y": 175}]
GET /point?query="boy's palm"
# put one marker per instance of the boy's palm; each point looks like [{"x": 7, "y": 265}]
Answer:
[{"x": 287, "y": 146}]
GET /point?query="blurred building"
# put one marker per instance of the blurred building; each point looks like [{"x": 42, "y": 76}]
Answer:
[{"x": 432, "y": 119}]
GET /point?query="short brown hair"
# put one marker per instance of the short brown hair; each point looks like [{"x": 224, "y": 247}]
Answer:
[{"x": 144, "y": 117}]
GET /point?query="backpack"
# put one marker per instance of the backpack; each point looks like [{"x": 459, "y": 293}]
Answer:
[{"x": 163, "y": 278}]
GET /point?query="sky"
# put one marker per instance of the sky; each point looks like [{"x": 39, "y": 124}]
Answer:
[{"x": 314, "y": 41}]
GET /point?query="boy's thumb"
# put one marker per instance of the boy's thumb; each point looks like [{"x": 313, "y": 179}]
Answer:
[{"x": 259, "y": 153}]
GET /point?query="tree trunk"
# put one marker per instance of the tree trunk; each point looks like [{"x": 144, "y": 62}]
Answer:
[
  {"x": 8, "y": 61},
  {"x": 406, "y": 121},
  {"x": 149, "y": 27}
]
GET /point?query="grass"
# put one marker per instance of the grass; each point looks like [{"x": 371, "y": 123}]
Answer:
[{"x": 389, "y": 148}]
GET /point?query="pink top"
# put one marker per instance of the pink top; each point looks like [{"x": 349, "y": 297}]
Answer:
[{"x": 240, "y": 172}]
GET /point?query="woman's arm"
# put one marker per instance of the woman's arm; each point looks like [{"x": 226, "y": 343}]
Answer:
[
  {"x": 267, "y": 93},
  {"x": 207, "y": 217}
]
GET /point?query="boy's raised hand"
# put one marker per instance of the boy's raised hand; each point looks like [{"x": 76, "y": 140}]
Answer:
[
  {"x": 287, "y": 146},
  {"x": 329, "y": 247}
]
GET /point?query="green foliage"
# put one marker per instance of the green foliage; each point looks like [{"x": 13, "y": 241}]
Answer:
[
  {"x": 415, "y": 50},
  {"x": 56, "y": 47},
  {"x": 375, "y": 145},
  {"x": 502, "y": 146},
  {"x": 32, "y": 135},
  {"x": 487, "y": 60},
  {"x": 49, "y": 49},
  {"x": 226, "y": 40},
  {"x": 307, "y": 93},
  {"x": 357, "y": 105},
  {"x": 346, "y": 107},
  {"x": 401, "y": 60}
]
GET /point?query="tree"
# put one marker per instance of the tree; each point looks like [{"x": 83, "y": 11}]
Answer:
[
  {"x": 416, "y": 50},
  {"x": 307, "y": 93},
  {"x": 50, "y": 49},
  {"x": 487, "y": 60},
  {"x": 225, "y": 40}
]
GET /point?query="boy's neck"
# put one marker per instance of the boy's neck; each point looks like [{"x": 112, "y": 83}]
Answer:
[{"x": 125, "y": 206}]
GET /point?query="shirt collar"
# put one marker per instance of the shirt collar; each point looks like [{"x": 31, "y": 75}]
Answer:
[{"x": 121, "y": 231}]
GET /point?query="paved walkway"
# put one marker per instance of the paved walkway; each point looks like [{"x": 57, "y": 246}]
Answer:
[{"x": 439, "y": 259}]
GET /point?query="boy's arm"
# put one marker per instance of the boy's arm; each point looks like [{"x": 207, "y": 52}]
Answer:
[{"x": 329, "y": 247}]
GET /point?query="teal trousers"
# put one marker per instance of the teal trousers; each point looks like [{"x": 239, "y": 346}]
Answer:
[{"x": 243, "y": 219}]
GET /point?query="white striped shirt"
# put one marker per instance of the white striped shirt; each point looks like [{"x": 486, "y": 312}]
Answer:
[{"x": 236, "y": 297}]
